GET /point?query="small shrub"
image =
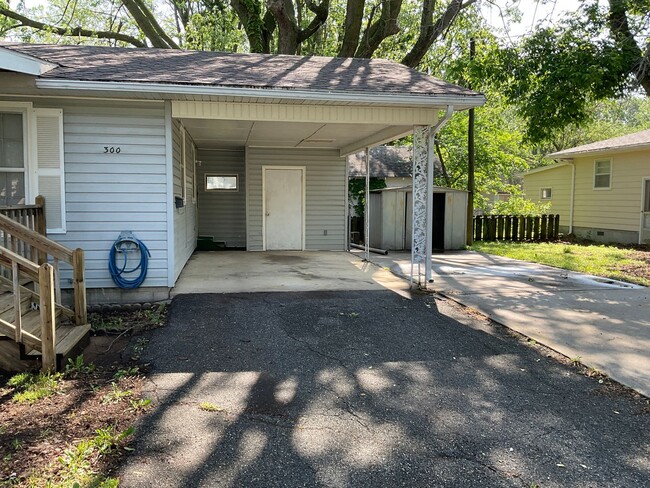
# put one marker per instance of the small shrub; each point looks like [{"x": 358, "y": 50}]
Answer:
[
  {"x": 141, "y": 404},
  {"x": 518, "y": 205}
]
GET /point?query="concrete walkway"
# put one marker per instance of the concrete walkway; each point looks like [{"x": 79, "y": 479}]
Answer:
[{"x": 604, "y": 323}]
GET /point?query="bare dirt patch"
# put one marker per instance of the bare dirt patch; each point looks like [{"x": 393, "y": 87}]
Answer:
[{"x": 640, "y": 269}]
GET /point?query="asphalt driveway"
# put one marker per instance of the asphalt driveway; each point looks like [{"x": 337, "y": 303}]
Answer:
[{"x": 367, "y": 388}]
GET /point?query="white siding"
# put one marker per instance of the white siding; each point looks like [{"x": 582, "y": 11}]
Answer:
[
  {"x": 325, "y": 194},
  {"x": 222, "y": 215},
  {"x": 110, "y": 193},
  {"x": 185, "y": 225}
]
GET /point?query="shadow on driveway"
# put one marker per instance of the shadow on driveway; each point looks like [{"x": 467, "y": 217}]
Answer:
[{"x": 369, "y": 389}]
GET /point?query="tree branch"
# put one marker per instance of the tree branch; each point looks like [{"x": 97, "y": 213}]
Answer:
[
  {"x": 384, "y": 27},
  {"x": 430, "y": 31},
  {"x": 321, "y": 11},
  {"x": 149, "y": 25},
  {"x": 75, "y": 31},
  {"x": 288, "y": 30}
]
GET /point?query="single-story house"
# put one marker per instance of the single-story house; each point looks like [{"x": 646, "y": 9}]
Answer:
[
  {"x": 601, "y": 190},
  {"x": 249, "y": 149},
  {"x": 393, "y": 164}
]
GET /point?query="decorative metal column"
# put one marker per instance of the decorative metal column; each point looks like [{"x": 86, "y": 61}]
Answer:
[
  {"x": 366, "y": 210},
  {"x": 419, "y": 252}
]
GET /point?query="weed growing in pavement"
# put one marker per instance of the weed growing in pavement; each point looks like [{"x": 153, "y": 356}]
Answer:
[
  {"x": 31, "y": 387},
  {"x": 576, "y": 361},
  {"x": 210, "y": 407}
]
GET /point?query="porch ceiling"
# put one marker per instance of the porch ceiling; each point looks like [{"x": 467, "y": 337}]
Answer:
[{"x": 214, "y": 134}]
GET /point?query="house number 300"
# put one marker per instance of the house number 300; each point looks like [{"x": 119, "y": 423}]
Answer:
[{"x": 112, "y": 150}]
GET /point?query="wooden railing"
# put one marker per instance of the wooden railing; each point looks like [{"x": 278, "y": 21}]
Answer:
[
  {"x": 44, "y": 276},
  {"x": 32, "y": 217},
  {"x": 28, "y": 252},
  {"x": 516, "y": 228}
]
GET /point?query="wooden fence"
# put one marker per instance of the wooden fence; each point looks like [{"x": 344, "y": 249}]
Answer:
[{"x": 516, "y": 228}]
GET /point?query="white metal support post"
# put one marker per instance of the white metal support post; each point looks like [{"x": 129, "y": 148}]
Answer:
[
  {"x": 423, "y": 179},
  {"x": 366, "y": 210}
]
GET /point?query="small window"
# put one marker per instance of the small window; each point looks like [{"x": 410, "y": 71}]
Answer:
[
  {"x": 646, "y": 196},
  {"x": 221, "y": 183},
  {"x": 603, "y": 174},
  {"x": 545, "y": 193}
]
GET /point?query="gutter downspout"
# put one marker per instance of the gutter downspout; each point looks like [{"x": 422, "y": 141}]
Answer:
[
  {"x": 573, "y": 195},
  {"x": 430, "y": 175}
]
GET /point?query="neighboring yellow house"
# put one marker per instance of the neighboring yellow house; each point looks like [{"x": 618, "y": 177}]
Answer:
[{"x": 601, "y": 190}]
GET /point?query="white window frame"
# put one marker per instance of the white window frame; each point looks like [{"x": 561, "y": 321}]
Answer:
[
  {"x": 541, "y": 193},
  {"x": 25, "y": 109},
  {"x": 219, "y": 190},
  {"x": 611, "y": 172}
]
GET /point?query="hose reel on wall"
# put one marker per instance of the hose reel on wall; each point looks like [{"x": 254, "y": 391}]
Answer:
[{"x": 133, "y": 257}]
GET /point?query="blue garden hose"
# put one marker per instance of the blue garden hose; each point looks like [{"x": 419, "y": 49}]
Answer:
[{"x": 125, "y": 245}]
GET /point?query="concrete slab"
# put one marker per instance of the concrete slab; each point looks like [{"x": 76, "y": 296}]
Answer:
[
  {"x": 603, "y": 322},
  {"x": 278, "y": 271}
]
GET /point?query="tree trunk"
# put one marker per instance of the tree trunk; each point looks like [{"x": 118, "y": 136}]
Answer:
[
  {"x": 352, "y": 27},
  {"x": 258, "y": 29},
  {"x": 382, "y": 28},
  {"x": 288, "y": 31}
]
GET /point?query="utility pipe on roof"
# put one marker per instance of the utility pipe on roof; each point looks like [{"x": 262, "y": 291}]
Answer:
[{"x": 430, "y": 174}]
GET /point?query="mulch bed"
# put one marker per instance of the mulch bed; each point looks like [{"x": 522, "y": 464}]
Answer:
[{"x": 33, "y": 437}]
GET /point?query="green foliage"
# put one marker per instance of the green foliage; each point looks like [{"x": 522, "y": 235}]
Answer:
[
  {"x": 210, "y": 407},
  {"x": 357, "y": 192},
  {"x": 31, "y": 387},
  {"x": 125, "y": 372},
  {"x": 101, "y": 323},
  {"x": 140, "y": 405},
  {"x": 77, "y": 366},
  {"x": 77, "y": 460},
  {"x": 115, "y": 395},
  {"x": 518, "y": 205}
]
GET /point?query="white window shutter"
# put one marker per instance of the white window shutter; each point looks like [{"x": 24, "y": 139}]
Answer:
[{"x": 49, "y": 161}]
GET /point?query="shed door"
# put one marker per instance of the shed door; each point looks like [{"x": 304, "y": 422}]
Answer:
[{"x": 283, "y": 208}]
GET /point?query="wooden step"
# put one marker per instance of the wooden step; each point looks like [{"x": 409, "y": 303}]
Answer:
[{"x": 68, "y": 337}]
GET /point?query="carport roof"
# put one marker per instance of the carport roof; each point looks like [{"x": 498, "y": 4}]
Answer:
[{"x": 216, "y": 69}]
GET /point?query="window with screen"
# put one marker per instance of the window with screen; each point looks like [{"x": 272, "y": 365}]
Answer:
[{"x": 603, "y": 174}]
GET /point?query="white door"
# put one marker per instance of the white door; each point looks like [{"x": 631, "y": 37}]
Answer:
[{"x": 283, "y": 207}]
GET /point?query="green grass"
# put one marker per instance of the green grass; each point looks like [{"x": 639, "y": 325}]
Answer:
[
  {"x": 31, "y": 387},
  {"x": 598, "y": 260}
]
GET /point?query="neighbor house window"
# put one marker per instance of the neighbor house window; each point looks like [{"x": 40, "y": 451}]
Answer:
[
  {"x": 545, "y": 193},
  {"x": 12, "y": 159},
  {"x": 603, "y": 174},
  {"x": 221, "y": 183}
]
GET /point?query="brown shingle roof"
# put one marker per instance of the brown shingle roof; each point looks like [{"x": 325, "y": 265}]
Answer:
[
  {"x": 109, "y": 64},
  {"x": 637, "y": 140},
  {"x": 385, "y": 162}
]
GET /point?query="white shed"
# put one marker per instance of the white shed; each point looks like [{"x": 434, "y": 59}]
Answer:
[{"x": 391, "y": 216}]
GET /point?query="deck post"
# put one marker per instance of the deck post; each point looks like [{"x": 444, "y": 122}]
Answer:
[
  {"x": 48, "y": 318},
  {"x": 79, "y": 284}
]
